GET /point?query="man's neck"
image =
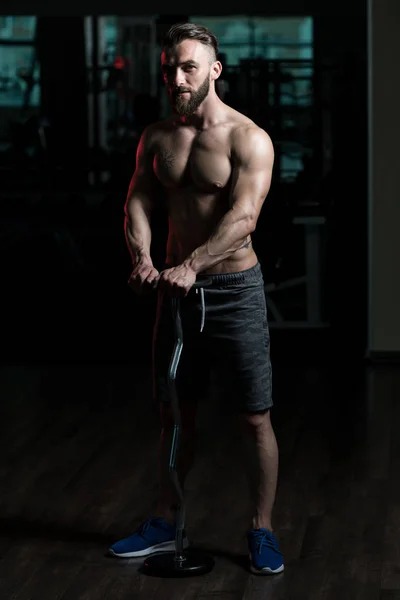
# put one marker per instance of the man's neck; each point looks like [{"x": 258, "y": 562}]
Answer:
[{"x": 207, "y": 115}]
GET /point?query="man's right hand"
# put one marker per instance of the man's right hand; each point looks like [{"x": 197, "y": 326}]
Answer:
[{"x": 144, "y": 278}]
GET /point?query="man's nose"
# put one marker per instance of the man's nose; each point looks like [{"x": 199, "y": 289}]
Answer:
[{"x": 179, "y": 79}]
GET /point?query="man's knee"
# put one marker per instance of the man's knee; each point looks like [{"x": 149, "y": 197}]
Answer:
[{"x": 256, "y": 421}]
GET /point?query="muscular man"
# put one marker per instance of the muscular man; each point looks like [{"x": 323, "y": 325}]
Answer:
[{"x": 214, "y": 165}]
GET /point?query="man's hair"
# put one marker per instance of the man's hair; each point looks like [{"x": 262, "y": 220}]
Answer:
[{"x": 190, "y": 31}]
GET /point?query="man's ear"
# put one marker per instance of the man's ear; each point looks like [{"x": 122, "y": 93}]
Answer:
[{"x": 216, "y": 70}]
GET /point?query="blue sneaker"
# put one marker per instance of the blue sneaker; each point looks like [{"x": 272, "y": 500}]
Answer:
[
  {"x": 265, "y": 556},
  {"x": 154, "y": 535}
]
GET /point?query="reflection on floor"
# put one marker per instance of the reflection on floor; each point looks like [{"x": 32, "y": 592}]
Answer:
[{"x": 78, "y": 471}]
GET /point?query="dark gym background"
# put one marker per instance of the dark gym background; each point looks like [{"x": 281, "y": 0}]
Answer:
[
  {"x": 78, "y": 429},
  {"x": 68, "y": 140}
]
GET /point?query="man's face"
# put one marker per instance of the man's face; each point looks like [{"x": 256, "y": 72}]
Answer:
[{"x": 186, "y": 70}]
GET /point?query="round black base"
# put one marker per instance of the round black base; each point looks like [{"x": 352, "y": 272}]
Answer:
[{"x": 166, "y": 564}]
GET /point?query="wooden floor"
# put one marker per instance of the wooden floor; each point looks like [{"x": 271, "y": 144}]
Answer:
[{"x": 78, "y": 471}]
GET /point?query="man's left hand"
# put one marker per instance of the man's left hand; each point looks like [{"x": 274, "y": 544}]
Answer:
[{"x": 177, "y": 281}]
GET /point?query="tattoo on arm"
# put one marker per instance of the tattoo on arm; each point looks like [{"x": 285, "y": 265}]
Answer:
[
  {"x": 246, "y": 243},
  {"x": 167, "y": 159}
]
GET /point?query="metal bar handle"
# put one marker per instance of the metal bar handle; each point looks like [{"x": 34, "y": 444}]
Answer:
[{"x": 173, "y": 367}]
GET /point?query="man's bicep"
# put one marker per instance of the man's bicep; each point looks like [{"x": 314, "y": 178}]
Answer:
[
  {"x": 252, "y": 171},
  {"x": 143, "y": 187}
]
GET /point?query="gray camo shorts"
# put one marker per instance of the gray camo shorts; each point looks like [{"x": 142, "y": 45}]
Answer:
[{"x": 225, "y": 329}]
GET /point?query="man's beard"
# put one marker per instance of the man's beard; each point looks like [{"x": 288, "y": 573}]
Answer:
[{"x": 186, "y": 107}]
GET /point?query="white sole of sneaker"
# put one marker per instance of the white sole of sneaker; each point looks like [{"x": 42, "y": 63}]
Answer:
[
  {"x": 267, "y": 570},
  {"x": 164, "y": 547}
]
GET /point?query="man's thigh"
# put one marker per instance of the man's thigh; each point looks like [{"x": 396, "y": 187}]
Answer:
[
  {"x": 193, "y": 369},
  {"x": 240, "y": 345}
]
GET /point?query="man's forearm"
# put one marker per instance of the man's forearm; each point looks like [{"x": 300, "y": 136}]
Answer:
[
  {"x": 231, "y": 234},
  {"x": 138, "y": 239}
]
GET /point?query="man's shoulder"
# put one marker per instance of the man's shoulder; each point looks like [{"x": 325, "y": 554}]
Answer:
[
  {"x": 158, "y": 127},
  {"x": 153, "y": 134},
  {"x": 243, "y": 128},
  {"x": 248, "y": 137}
]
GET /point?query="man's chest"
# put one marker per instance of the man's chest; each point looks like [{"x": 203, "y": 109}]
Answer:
[{"x": 201, "y": 161}]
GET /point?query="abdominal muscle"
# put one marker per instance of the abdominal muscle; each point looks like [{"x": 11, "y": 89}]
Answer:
[{"x": 192, "y": 220}]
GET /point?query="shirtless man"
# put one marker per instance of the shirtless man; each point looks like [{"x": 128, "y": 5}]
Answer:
[{"x": 214, "y": 165}]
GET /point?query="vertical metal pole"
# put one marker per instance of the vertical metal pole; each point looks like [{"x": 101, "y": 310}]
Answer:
[{"x": 180, "y": 524}]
